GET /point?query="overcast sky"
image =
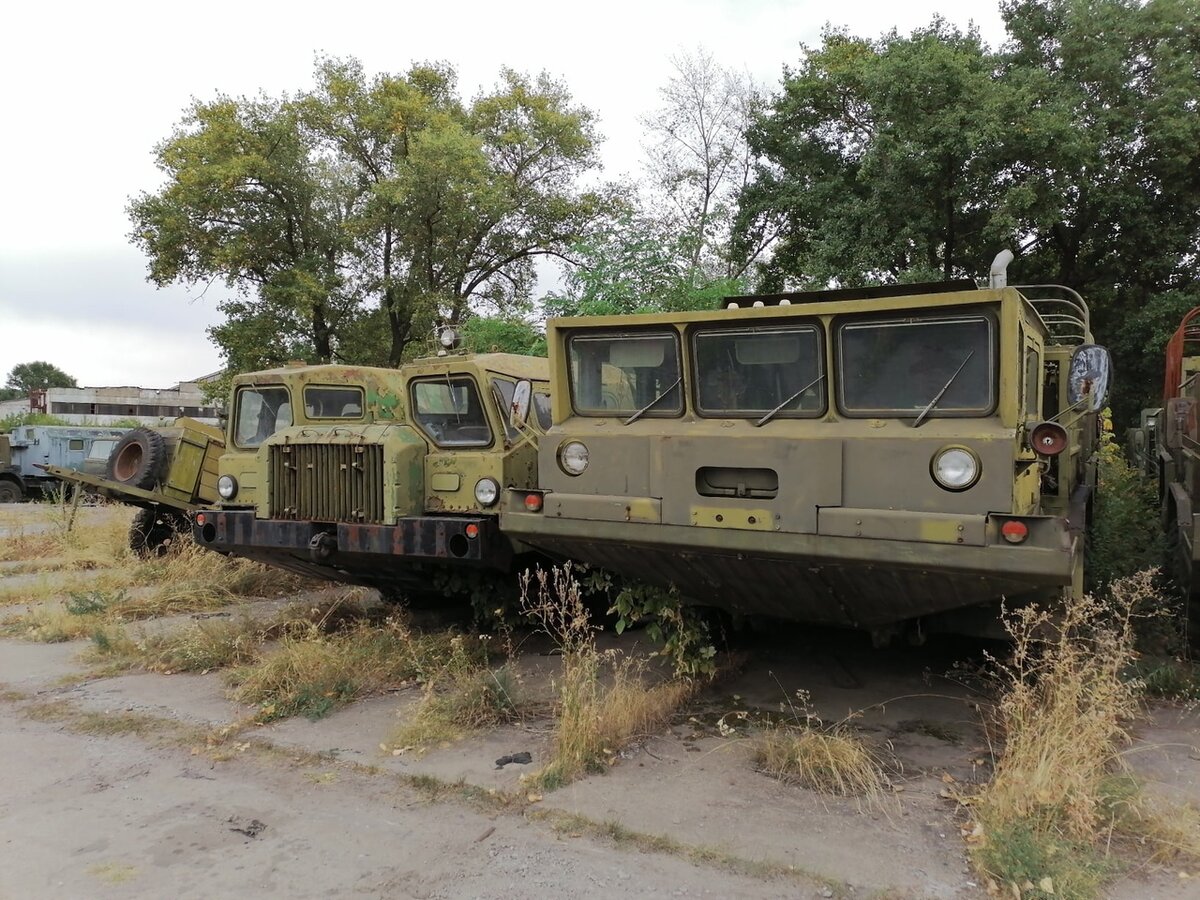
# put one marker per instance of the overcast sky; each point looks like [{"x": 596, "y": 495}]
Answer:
[{"x": 88, "y": 88}]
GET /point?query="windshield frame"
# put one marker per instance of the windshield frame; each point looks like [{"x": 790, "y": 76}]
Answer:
[
  {"x": 821, "y": 372},
  {"x": 484, "y": 398},
  {"x": 941, "y": 316},
  {"x": 658, "y": 407},
  {"x": 239, "y": 398}
]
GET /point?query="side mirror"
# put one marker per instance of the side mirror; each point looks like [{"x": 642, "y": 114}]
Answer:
[
  {"x": 1089, "y": 376},
  {"x": 519, "y": 409}
]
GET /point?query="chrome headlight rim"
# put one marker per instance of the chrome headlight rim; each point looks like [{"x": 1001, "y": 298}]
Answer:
[
  {"x": 573, "y": 457},
  {"x": 227, "y": 487},
  {"x": 967, "y": 463},
  {"x": 487, "y": 492}
]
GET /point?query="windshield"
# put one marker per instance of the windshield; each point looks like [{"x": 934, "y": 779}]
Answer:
[
  {"x": 261, "y": 411},
  {"x": 753, "y": 371},
  {"x": 321, "y": 402},
  {"x": 450, "y": 412},
  {"x": 900, "y": 367},
  {"x": 101, "y": 449},
  {"x": 624, "y": 374}
]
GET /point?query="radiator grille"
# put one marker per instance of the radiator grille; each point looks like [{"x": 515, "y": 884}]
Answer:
[{"x": 327, "y": 482}]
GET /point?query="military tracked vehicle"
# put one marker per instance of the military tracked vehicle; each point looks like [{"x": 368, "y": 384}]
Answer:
[
  {"x": 879, "y": 458},
  {"x": 380, "y": 477}
]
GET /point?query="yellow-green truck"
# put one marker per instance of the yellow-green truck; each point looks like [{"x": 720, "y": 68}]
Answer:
[
  {"x": 890, "y": 459},
  {"x": 380, "y": 477}
]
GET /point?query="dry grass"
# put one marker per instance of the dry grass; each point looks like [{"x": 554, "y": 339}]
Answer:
[
  {"x": 458, "y": 701},
  {"x": 830, "y": 760},
  {"x": 186, "y": 581},
  {"x": 198, "y": 647},
  {"x": 96, "y": 540},
  {"x": 603, "y": 700},
  {"x": 311, "y": 671},
  {"x": 1061, "y": 801}
]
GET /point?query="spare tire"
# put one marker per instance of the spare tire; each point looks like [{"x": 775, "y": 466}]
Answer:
[{"x": 139, "y": 459}]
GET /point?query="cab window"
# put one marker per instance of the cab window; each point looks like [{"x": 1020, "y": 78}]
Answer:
[
  {"x": 327, "y": 402},
  {"x": 624, "y": 374},
  {"x": 899, "y": 367},
  {"x": 503, "y": 393},
  {"x": 101, "y": 449},
  {"x": 1033, "y": 371},
  {"x": 450, "y": 411},
  {"x": 751, "y": 372},
  {"x": 543, "y": 410},
  {"x": 260, "y": 412}
]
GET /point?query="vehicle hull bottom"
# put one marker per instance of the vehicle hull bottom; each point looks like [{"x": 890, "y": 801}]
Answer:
[
  {"x": 399, "y": 560},
  {"x": 808, "y": 578}
]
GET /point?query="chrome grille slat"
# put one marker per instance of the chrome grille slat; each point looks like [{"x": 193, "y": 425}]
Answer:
[{"x": 327, "y": 482}]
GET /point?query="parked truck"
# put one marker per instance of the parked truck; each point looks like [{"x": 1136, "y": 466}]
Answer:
[
  {"x": 167, "y": 472},
  {"x": 28, "y": 448},
  {"x": 380, "y": 477},
  {"x": 891, "y": 459}
]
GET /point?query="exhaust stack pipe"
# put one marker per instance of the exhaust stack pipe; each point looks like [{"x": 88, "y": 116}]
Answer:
[{"x": 998, "y": 277}]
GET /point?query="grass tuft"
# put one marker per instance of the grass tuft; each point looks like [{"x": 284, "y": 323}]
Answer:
[
  {"x": 830, "y": 760},
  {"x": 603, "y": 700}
]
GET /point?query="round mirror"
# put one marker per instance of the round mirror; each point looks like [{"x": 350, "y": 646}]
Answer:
[
  {"x": 1089, "y": 376},
  {"x": 519, "y": 408}
]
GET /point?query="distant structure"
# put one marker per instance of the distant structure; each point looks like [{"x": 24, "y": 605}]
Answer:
[{"x": 105, "y": 405}]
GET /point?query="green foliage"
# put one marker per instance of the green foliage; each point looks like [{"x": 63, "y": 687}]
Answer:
[
  {"x": 355, "y": 215},
  {"x": 8, "y": 423},
  {"x": 921, "y": 156},
  {"x": 30, "y": 376},
  {"x": 1051, "y": 866},
  {"x": 1125, "y": 536},
  {"x": 635, "y": 264},
  {"x": 86, "y": 604},
  {"x": 496, "y": 334}
]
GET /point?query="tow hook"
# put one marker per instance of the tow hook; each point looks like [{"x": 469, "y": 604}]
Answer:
[{"x": 322, "y": 546}]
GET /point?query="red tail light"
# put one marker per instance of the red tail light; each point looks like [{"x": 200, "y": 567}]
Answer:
[
  {"x": 533, "y": 502},
  {"x": 200, "y": 519},
  {"x": 472, "y": 530},
  {"x": 1014, "y": 532}
]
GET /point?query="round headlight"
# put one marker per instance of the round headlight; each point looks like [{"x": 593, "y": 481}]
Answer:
[
  {"x": 955, "y": 468},
  {"x": 487, "y": 490},
  {"x": 573, "y": 457},
  {"x": 227, "y": 487},
  {"x": 448, "y": 338}
]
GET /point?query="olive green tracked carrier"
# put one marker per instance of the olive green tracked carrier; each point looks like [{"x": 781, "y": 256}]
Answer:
[
  {"x": 167, "y": 471},
  {"x": 379, "y": 476},
  {"x": 865, "y": 457}
]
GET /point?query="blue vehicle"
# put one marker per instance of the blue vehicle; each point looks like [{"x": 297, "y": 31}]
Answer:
[{"x": 29, "y": 446}]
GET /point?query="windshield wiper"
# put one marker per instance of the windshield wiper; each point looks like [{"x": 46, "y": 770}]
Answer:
[
  {"x": 769, "y": 416},
  {"x": 637, "y": 415},
  {"x": 945, "y": 387}
]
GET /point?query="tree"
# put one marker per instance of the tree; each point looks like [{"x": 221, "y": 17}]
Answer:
[
  {"x": 919, "y": 157},
  {"x": 355, "y": 215},
  {"x": 31, "y": 376},
  {"x": 698, "y": 161}
]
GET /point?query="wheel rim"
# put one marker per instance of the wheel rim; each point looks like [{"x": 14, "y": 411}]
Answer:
[{"x": 128, "y": 462}]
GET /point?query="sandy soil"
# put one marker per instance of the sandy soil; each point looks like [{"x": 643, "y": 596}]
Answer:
[{"x": 302, "y": 808}]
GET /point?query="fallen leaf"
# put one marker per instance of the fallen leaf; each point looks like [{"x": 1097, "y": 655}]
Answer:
[
  {"x": 948, "y": 778},
  {"x": 1046, "y": 885},
  {"x": 534, "y": 798}
]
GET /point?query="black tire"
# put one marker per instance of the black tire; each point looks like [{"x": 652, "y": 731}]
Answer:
[
  {"x": 155, "y": 532},
  {"x": 139, "y": 459},
  {"x": 10, "y": 492}
]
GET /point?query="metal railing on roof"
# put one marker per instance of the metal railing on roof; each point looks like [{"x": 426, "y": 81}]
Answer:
[{"x": 1064, "y": 313}]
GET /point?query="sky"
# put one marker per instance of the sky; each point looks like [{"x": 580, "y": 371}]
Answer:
[{"x": 88, "y": 89}]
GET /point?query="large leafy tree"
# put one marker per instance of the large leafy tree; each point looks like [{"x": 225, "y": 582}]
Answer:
[
  {"x": 355, "y": 215},
  {"x": 1077, "y": 144},
  {"x": 26, "y": 377}
]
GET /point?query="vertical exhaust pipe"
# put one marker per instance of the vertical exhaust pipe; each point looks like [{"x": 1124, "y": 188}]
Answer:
[{"x": 998, "y": 277}]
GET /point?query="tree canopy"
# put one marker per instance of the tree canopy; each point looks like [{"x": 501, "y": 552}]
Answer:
[
  {"x": 354, "y": 216},
  {"x": 26, "y": 377},
  {"x": 1076, "y": 144}
]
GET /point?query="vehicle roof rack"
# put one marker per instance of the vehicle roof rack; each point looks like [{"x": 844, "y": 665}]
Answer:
[
  {"x": 1062, "y": 311},
  {"x": 875, "y": 292}
]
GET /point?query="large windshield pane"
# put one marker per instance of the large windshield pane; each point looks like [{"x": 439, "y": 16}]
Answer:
[
  {"x": 753, "y": 371},
  {"x": 325, "y": 402},
  {"x": 621, "y": 374},
  {"x": 899, "y": 367},
  {"x": 450, "y": 412},
  {"x": 261, "y": 411}
]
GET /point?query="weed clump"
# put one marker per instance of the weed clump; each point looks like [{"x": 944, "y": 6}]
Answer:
[
  {"x": 603, "y": 699},
  {"x": 1053, "y": 811}
]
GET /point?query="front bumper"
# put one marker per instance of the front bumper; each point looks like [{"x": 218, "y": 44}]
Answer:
[
  {"x": 861, "y": 572},
  {"x": 359, "y": 554}
]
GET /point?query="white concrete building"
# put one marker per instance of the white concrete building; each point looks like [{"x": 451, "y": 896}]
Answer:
[{"x": 105, "y": 405}]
